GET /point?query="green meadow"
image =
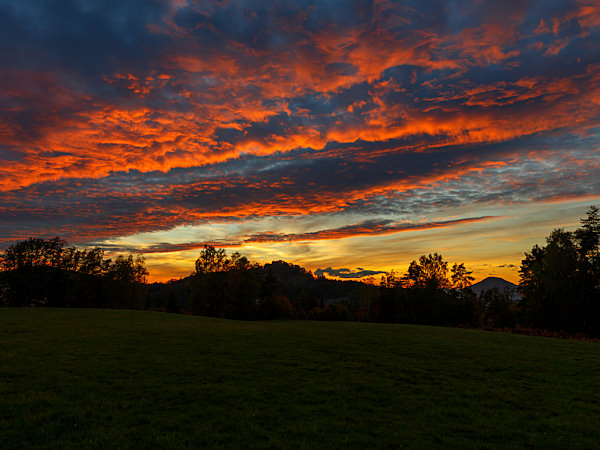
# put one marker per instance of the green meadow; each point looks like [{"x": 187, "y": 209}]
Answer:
[{"x": 85, "y": 378}]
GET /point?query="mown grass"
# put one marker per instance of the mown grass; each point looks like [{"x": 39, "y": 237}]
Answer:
[{"x": 86, "y": 378}]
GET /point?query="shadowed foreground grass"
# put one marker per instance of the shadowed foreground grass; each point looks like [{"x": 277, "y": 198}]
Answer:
[{"x": 121, "y": 379}]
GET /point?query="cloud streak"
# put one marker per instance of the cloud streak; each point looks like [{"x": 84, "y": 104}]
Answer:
[
  {"x": 350, "y": 274},
  {"x": 370, "y": 228}
]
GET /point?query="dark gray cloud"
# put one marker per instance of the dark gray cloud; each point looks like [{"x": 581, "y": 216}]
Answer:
[
  {"x": 86, "y": 37},
  {"x": 347, "y": 273},
  {"x": 368, "y": 228}
]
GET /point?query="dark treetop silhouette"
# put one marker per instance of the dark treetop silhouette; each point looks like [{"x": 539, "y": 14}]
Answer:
[{"x": 559, "y": 288}]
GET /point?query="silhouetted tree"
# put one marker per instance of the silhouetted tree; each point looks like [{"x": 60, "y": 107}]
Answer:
[
  {"x": 275, "y": 307},
  {"x": 330, "y": 312},
  {"x": 32, "y": 273},
  {"x": 589, "y": 235},
  {"x": 588, "y": 240},
  {"x": 224, "y": 286},
  {"x": 45, "y": 272},
  {"x": 34, "y": 252},
  {"x": 127, "y": 269},
  {"x": 424, "y": 295},
  {"x": 124, "y": 285},
  {"x": 170, "y": 296},
  {"x": 390, "y": 280},
  {"x": 430, "y": 272},
  {"x": 550, "y": 285},
  {"x": 92, "y": 262},
  {"x": 560, "y": 282},
  {"x": 497, "y": 308},
  {"x": 461, "y": 277},
  {"x": 212, "y": 260}
]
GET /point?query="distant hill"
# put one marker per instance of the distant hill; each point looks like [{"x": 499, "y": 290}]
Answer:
[{"x": 494, "y": 282}]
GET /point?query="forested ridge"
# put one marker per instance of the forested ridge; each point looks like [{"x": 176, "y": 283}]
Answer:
[{"x": 559, "y": 287}]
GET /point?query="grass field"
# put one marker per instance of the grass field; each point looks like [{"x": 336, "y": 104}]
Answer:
[{"x": 86, "y": 378}]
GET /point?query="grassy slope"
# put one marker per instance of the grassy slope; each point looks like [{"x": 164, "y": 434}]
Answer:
[{"x": 105, "y": 378}]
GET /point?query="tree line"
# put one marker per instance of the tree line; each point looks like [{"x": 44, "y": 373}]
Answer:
[
  {"x": 560, "y": 282},
  {"x": 48, "y": 272},
  {"x": 559, "y": 286}
]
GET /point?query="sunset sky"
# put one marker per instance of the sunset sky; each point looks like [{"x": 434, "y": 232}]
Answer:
[{"x": 348, "y": 136}]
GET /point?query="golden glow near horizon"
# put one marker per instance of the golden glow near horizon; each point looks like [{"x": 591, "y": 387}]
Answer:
[
  {"x": 330, "y": 135},
  {"x": 493, "y": 247}
]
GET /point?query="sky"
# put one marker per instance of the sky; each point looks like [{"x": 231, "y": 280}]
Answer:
[{"x": 349, "y": 137}]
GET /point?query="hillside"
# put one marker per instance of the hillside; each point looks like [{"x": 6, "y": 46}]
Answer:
[
  {"x": 491, "y": 283},
  {"x": 84, "y": 378}
]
